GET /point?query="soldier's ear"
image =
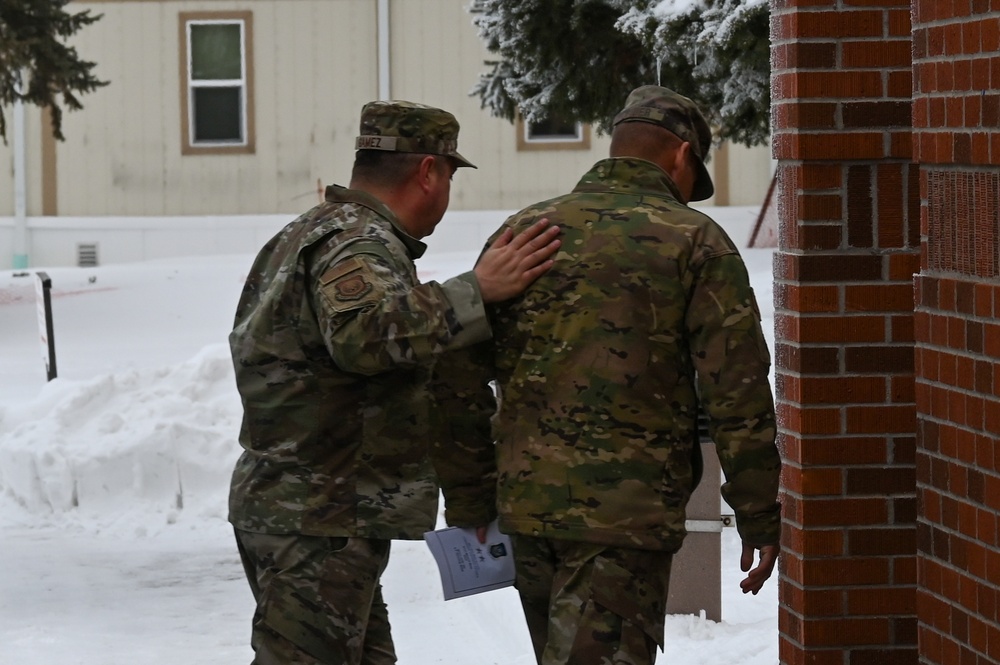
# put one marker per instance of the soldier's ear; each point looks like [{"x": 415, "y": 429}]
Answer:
[
  {"x": 426, "y": 173},
  {"x": 683, "y": 171},
  {"x": 682, "y": 156}
]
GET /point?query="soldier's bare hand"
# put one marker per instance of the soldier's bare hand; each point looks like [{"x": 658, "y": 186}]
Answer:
[
  {"x": 755, "y": 578},
  {"x": 512, "y": 263}
]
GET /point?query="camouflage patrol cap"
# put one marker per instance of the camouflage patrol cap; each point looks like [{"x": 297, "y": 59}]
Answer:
[
  {"x": 679, "y": 115},
  {"x": 400, "y": 126}
]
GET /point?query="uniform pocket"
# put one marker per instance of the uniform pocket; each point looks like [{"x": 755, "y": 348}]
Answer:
[{"x": 335, "y": 544}]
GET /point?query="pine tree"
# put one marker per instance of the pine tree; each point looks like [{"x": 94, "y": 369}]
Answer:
[
  {"x": 578, "y": 59},
  {"x": 36, "y": 65}
]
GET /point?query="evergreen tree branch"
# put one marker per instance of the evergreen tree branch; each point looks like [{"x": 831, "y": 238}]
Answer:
[
  {"x": 36, "y": 65},
  {"x": 579, "y": 59}
]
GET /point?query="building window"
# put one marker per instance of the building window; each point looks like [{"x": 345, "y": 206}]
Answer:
[
  {"x": 217, "y": 82},
  {"x": 552, "y": 134}
]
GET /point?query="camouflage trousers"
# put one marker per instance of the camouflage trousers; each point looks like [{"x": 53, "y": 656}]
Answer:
[
  {"x": 588, "y": 604},
  {"x": 319, "y": 600}
]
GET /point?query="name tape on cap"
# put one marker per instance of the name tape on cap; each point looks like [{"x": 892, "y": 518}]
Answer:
[{"x": 375, "y": 143}]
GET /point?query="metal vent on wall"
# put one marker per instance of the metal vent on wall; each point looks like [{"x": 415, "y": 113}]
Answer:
[{"x": 86, "y": 255}]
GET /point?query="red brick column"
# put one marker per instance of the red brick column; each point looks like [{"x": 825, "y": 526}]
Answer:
[
  {"x": 957, "y": 142},
  {"x": 848, "y": 249}
]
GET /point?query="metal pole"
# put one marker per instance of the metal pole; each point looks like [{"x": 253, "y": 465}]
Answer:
[
  {"x": 384, "y": 49},
  {"x": 20, "y": 188}
]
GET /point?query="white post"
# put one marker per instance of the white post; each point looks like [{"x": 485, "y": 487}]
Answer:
[
  {"x": 20, "y": 188},
  {"x": 696, "y": 571},
  {"x": 384, "y": 46}
]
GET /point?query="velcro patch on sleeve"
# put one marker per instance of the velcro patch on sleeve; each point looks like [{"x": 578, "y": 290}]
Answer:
[{"x": 351, "y": 284}]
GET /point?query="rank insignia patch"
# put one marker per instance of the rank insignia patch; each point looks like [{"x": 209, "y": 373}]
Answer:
[
  {"x": 350, "y": 284},
  {"x": 352, "y": 288}
]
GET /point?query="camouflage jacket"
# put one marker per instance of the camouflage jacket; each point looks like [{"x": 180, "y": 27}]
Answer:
[
  {"x": 334, "y": 344},
  {"x": 602, "y": 363}
]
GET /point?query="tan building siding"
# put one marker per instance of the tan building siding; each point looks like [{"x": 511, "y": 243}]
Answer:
[
  {"x": 748, "y": 174},
  {"x": 115, "y": 159},
  {"x": 301, "y": 108},
  {"x": 316, "y": 66},
  {"x": 312, "y": 65}
]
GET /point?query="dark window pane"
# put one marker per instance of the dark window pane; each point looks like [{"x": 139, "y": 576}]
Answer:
[
  {"x": 215, "y": 52},
  {"x": 217, "y": 114},
  {"x": 552, "y": 129}
]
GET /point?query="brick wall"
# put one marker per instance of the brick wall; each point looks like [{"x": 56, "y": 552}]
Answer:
[
  {"x": 956, "y": 118},
  {"x": 849, "y": 240}
]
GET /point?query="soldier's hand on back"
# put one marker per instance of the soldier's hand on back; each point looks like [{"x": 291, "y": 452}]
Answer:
[{"x": 512, "y": 263}]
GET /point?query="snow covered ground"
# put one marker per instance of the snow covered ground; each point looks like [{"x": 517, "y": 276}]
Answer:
[{"x": 113, "y": 482}]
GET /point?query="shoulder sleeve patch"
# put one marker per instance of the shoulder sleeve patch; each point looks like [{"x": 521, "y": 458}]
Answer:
[{"x": 351, "y": 284}]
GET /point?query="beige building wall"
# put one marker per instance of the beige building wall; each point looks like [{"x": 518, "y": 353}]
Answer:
[
  {"x": 747, "y": 175},
  {"x": 314, "y": 63}
]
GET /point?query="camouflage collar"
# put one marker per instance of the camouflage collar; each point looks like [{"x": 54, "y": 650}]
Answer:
[
  {"x": 338, "y": 194},
  {"x": 628, "y": 175}
]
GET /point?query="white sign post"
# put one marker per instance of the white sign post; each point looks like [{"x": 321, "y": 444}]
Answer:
[{"x": 43, "y": 298}]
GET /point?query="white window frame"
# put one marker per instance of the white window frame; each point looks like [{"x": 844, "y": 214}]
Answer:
[{"x": 246, "y": 143}]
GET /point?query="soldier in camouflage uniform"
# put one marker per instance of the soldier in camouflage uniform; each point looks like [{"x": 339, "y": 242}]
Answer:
[
  {"x": 601, "y": 366},
  {"x": 334, "y": 344}
]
